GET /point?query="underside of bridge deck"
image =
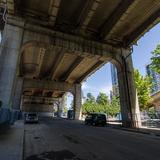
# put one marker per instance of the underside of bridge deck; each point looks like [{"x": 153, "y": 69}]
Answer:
[{"x": 50, "y": 47}]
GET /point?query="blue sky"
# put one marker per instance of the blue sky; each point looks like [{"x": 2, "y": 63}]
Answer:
[{"x": 100, "y": 81}]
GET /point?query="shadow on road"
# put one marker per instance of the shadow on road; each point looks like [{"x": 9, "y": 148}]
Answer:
[{"x": 55, "y": 155}]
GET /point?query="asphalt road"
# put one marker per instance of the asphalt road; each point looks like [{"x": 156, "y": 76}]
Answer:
[{"x": 57, "y": 139}]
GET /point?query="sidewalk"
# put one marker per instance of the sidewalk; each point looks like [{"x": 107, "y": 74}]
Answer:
[
  {"x": 11, "y": 141},
  {"x": 144, "y": 130}
]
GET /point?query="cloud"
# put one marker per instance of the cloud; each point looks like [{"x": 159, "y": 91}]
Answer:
[
  {"x": 106, "y": 89},
  {"x": 84, "y": 85},
  {"x": 95, "y": 90}
]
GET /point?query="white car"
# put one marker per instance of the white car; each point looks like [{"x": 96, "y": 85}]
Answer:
[{"x": 31, "y": 117}]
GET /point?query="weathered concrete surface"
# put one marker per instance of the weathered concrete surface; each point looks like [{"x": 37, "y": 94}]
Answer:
[
  {"x": 11, "y": 141},
  {"x": 46, "y": 84},
  {"x": 10, "y": 50},
  {"x": 68, "y": 49},
  {"x": 73, "y": 140},
  {"x": 78, "y": 102},
  {"x": 17, "y": 93}
]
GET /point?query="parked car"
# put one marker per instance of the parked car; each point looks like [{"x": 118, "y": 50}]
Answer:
[
  {"x": 31, "y": 117},
  {"x": 96, "y": 119}
]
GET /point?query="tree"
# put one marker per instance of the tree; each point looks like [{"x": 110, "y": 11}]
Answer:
[
  {"x": 65, "y": 109},
  {"x": 90, "y": 98},
  {"x": 102, "y": 98},
  {"x": 114, "y": 106},
  {"x": 87, "y": 107},
  {"x": 156, "y": 59},
  {"x": 72, "y": 105},
  {"x": 143, "y": 86}
]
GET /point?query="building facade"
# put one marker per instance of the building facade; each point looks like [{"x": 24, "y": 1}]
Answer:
[
  {"x": 155, "y": 79},
  {"x": 114, "y": 77}
]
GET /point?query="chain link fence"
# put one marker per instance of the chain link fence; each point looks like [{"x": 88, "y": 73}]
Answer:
[{"x": 150, "y": 120}]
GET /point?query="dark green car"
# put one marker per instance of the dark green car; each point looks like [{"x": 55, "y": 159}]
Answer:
[{"x": 96, "y": 119}]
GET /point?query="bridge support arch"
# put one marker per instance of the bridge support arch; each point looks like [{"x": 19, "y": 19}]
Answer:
[{"x": 15, "y": 36}]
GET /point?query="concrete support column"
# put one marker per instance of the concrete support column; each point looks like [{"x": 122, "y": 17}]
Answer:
[
  {"x": 17, "y": 93},
  {"x": 9, "y": 54},
  {"x": 77, "y": 102},
  {"x": 128, "y": 98},
  {"x": 59, "y": 109},
  {"x": 63, "y": 103}
]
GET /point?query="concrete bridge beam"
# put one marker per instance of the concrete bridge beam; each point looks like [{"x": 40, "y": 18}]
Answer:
[{"x": 48, "y": 84}]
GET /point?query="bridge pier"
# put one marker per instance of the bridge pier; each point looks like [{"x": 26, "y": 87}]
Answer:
[
  {"x": 9, "y": 54},
  {"x": 17, "y": 93},
  {"x": 77, "y": 102},
  {"x": 61, "y": 105},
  {"x": 128, "y": 96}
]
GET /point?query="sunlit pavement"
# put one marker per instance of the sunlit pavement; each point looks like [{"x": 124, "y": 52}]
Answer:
[{"x": 57, "y": 139}]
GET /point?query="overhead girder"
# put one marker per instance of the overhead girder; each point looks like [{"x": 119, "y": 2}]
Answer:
[
  {"x": 114, "y": 18},
  {"x": 53, "y": 11},
  {"x": 81, "y": 17}
]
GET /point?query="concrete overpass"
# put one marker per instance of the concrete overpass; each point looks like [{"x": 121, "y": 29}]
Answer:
[{"x": 50, "y": 47}]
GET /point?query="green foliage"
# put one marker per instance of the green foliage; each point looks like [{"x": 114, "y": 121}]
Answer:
[
  {"x": 143, "y": 86},
  {"x": 152, "y": 113},
  {"x": 115, "y": 106},
  {"x": 91, "y": 98},
  {"x": 71, "y": 105},
  {"x": 101, "y": 105},
  {"x": 102, "y": 98},
  {"x": 156, "y": 59},
  {"x": 65, "y": 109}
]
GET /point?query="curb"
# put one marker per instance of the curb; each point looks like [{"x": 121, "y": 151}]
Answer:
[{"x": 140, "y": 131}]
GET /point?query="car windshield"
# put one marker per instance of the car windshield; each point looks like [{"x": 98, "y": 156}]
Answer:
[{"x": 101, "y": 116}]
